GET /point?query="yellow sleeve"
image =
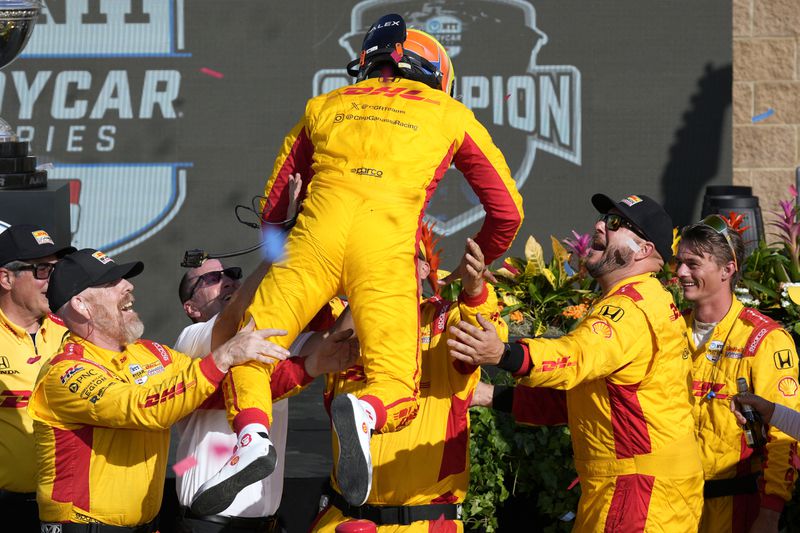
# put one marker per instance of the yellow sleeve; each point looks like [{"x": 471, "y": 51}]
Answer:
[
  {"x": 80, "y": 391},
  {"x": 610, "y": 337},
  {"x": 773, "y": 376},
  {"x": 463, "y": 377},
  {"x": 487, "y": 173}
]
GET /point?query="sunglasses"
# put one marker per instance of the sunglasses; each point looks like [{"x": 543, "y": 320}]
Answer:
[
  {"x": 40, "y": 271},
  {"x": 720, "y": 225},
  {"x": 212, "y": 278},
  {"x": 614, "y": 221}
]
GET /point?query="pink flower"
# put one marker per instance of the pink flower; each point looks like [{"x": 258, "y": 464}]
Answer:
[{"x": 580, "y": 245}]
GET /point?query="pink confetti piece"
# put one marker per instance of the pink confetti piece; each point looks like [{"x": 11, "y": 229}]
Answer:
[
  {"x": 221, "y": 450},
  {"x": 212, "y": 73},
  {"x": 507, "y": 97},
  {"x": 574, "y": 482},
  {"x": 187, "y": 463}
]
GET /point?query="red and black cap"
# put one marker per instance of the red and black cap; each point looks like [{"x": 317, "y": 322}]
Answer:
[
  {"x": 23, "y": 242},
  {"x": 646, "y": 214},
  {"x": 83, "y": 269}
]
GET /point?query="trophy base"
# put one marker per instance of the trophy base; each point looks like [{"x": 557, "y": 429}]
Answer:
[{"x": 17, "y": 166}]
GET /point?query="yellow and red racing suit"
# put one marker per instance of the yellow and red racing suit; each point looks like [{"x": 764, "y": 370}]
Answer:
[
  {"x": 21, "y": 358},
  {"x": 625, "y": 369},
  {"x": 745, "y": 344},
  {"x": 371, "y": 156},
  {"x": 428, "y": 461},
  {"x": 101, "y": 421}
]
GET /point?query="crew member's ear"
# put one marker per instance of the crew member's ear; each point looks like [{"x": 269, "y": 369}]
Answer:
[{"x": 191, "y": 310}]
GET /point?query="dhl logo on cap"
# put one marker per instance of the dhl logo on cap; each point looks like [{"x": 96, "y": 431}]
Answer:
[
  {"x": 42, "y": 237},
  {"x": 631, "y": 200},
  {"x": 103, "y": 258}
]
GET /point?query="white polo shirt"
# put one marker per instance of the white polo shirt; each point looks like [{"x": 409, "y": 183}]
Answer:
[{"x": 205, "y": 433}]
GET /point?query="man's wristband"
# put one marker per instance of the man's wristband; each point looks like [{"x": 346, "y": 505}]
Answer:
[
  {"x": 503, "y": 398},
  {"x": 513, "y": 358}
]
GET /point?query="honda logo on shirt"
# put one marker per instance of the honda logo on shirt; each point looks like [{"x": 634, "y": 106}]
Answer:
[
  {"x": 4, "y": 362},
  {"x": 783, "y": 359}
]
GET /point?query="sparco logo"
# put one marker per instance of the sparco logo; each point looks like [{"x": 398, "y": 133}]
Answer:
[
  {"x": 74, "y": 105},
  {"x": 363, "y": 171},
  {"x": 526, "y": 106}
]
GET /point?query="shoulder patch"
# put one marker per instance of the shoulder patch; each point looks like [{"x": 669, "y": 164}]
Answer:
[
  {"x": 56, "y": 319},
  {"x": 71, "y": 351},
  {"x": 762, "y": 326},
  {"x": 629, "y": 291},
  {"x": 156, "y": 349}
]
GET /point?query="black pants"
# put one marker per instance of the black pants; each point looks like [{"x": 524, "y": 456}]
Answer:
[{"x": 22, "y": 507}]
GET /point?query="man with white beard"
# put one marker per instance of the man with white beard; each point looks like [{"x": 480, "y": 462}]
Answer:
[{"x": 103, "y": 407}]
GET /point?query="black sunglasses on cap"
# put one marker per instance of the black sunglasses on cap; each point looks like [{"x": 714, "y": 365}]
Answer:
[
  {"x": 212, "y": 278},
  {"x": 614, "y": 221},
  {"x": 40, "y": 271}
]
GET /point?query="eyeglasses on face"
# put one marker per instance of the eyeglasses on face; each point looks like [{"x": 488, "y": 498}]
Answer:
[
  {"x": 40, "y": 271},
  {"x": 210, "y": 279},
  {"x": 614, "y": 221},
  {"x": 720, "y": 225}
]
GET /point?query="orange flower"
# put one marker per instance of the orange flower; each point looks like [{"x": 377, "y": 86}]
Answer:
[
  {"x": 517, "y": 317},
  {"x": 575, "y": 311}
]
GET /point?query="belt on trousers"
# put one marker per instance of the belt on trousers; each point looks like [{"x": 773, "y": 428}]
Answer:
[
  {"x": 717, "y": 488},
  {"x": 71, "y": 527},
  {"x": 267, "y": 524},
  {"x": 13, "y": 497},
  {"x": 385, "y": 515},
  {"x": 673, "y": 461}
]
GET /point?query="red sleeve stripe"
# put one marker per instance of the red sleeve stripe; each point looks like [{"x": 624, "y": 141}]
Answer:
[
  {"x": 209, "y": 369},
  {"x": 456, "y": 440},
  {"x": 631, "y": 436},
  {"x": 539, "y": 406},
  {"x": 630, "y": 503},
  {"x": 288, "y": 375},
  {"x": 73, "y": 452},
  {"x": 299, "y": 160},
  {"x": 503, "y": 218}
]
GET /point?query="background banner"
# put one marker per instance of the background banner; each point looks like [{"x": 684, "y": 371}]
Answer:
[{"x": 164, "y": 114}]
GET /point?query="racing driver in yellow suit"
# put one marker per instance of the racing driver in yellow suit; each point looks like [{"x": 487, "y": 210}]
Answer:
[
  {"x": 371, "y": 155},
  {"x": 745, "y": 488},
  {"x": 625, "y": 369},
  {"x": 103, "y": 407},
  {"x": 421, "y": 474}
]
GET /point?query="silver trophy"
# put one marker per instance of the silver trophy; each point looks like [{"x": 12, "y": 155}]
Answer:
[{"x": 17, "y": 167}]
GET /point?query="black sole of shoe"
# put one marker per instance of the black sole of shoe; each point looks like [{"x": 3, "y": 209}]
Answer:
[
  {"x": 220, "y": 497},
  {"x": 352, "y": 473}
]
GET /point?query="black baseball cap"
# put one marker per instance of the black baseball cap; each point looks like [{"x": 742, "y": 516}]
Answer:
[
  {"x": 22, "y": 242},
  {"x": 83, "y": 269},
  {"x": 646, "y": 214}
]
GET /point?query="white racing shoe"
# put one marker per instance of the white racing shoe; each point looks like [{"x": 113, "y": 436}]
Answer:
[
  {"x": 254, "y": 458},
  {"x": 354, "y": 467}
]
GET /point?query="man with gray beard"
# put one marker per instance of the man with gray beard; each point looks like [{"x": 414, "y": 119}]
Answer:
[
  {"x": 620, "y": 380},
  {"x": 103, "y": 407}
]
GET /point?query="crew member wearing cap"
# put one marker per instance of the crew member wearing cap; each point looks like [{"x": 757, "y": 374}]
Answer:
[
  {"x": 103, "y": 407},
  {"x": 745, "y": 488},
  {"x": 421, "y": 474},
  {"x": 29, "y": 337},
  {"x": 625, "y": 369}
]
